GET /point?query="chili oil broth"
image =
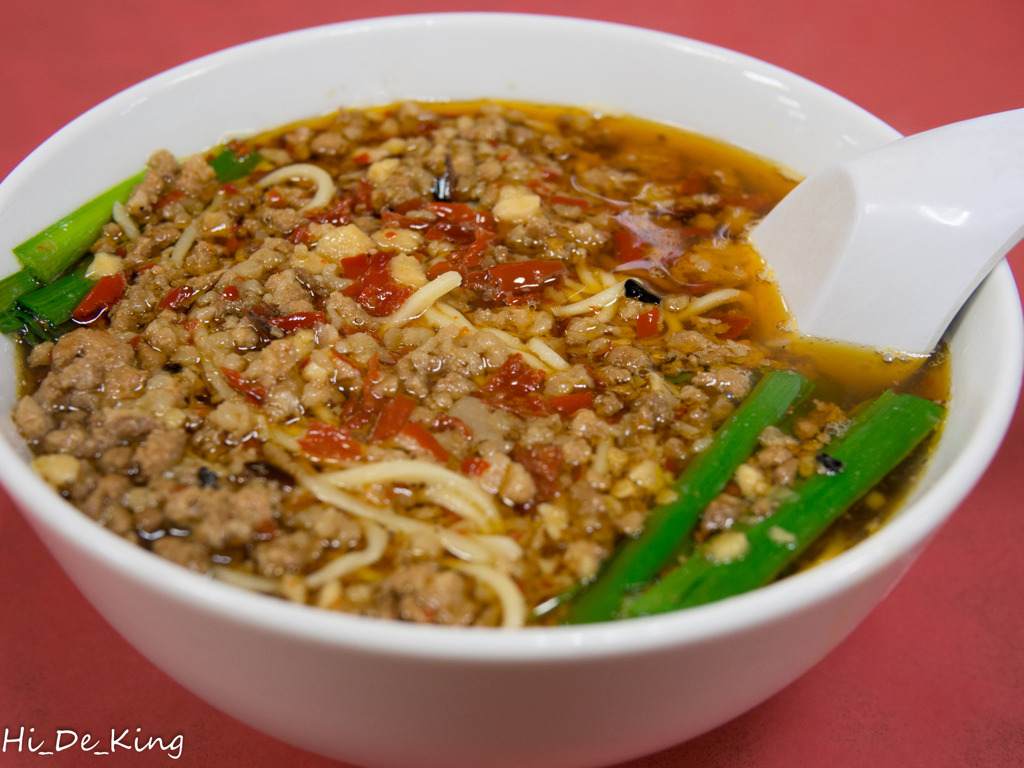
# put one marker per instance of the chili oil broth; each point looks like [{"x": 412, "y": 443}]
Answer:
[{"x": 695, "y": 200}]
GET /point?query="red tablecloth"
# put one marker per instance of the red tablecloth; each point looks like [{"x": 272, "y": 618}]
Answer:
[{"x": 935, "y": 677}]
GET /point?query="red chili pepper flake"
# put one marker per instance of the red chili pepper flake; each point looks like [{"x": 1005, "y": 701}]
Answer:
[
  {"x": 440, "y": 268},
  {"x": 443, "y": 421},
  {"x": 628, "y": 246},
  {"x": 344, "y": 358},
  {"x": 231, "y": 188},
  {"x": 461, "y": 213},
  {"x": 376, "y": 290},
  {"x": 230, "y": 293},
  {"x": 412, "y": 204},
  {"x": 301, "y": 236},
  {"x": 106, "y": 293},
  {"x": 474, "y": 466},
  {"x": 395, "y": 220},
  {"x": 566, "y": 405},
  {"x": 267, "y": 529},
  {"x": 513, "y": 387},
  {"x": 254, "y": 392},
  {"x": 339, "y": 215},
  {"x": 362, "y": 195},
  {"x": 363, "y": 158},
  {"x": 176, "y": 298},
  {"x": 327, "y": 442},
  {"x": 473, "y": 253},
  {"x": 425, "y": 440},
  {"x": 393, "y": 416},
  {"x": 353, "y": 266},
  {"x": 514, "y": 377},
  {"x": 647, "y": 324},
  {"x": 371, "y": 401},
  {"x": 514, "y": 281},
  {"x": 274, "y": 198},
  {"x": 172, "y": 196},
  {"x": 573, "y": 202},
  {"x": 298, "y": 320},
  {"x": 643, "y": 236},
  {"x": 358, "y": 420},
  {"x": 541, "y": 188},
  {"x": 735, "y": 325},
  {"x": 544, "y": 463}
]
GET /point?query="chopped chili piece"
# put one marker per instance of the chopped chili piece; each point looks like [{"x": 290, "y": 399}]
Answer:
[
  {"x": 327, "y": 442},
  {"x": 544, "y": 463},
  {"x": 176, "y": 298},
  {"x": 444, "y": 421},
  {"x": 628, "y": 246},
  {"x": 393, "y": 416},
  {"x": 371, "y": 401},
  {"x": 473, "y": 253},
  {"x": 474, "y": 466},
  {"x": 440, "y": 268},
  {"x": 514, "y": 377},
  {"x": 577, "y": 202},
  {"x": 735, "y": 324},
  {"x": 106, "y": 293},
  {"x": 513, "y": 387},
  {"x": 514, "y": 279},
  {"x": 376, "y": 290},
  {"x": 170, "y": 197},
  {"x": 353, "y": 266},
  {"x": 569, "y": 404},
  {"x": 647, "y": 323},
  {"x": 274, "y": 198},
  {"x": 460, "y": 213},
  {"x": 301, "y": 236},
  {"x": 254, "y": 392},
  {"x": 362, "y": 195},
  {"x": 339, "y": 215},
  {"x": 292, "y": 323},
  {"x": 426, "y": 441}
]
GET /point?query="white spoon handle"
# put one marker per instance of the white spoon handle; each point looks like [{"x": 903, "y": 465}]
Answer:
[{"x": 882, "y": 250}]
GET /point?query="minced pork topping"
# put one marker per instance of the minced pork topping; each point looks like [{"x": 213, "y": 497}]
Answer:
[{"x": 423, "y": 362}]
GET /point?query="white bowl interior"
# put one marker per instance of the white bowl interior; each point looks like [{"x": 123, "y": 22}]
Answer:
[{"x": 718, "y": 93}]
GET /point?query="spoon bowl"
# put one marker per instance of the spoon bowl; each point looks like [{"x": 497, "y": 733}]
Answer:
[{"x": 881, "y": 250}]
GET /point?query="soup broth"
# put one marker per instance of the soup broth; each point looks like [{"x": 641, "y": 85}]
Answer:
[{"x": 436, "y": 362}]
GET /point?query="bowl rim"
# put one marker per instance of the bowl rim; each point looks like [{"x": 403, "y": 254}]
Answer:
[{"x": 904, "y": 534}]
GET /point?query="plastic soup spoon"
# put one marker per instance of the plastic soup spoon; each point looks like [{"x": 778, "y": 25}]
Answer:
[{"x": 883, "y": 249}]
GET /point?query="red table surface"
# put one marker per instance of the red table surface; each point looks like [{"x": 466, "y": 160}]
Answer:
[{"x": 934, "y": 677}]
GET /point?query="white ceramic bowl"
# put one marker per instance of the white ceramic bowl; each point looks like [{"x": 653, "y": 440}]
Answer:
[{"x": 386, "y": 694}]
